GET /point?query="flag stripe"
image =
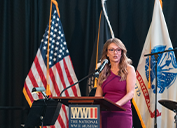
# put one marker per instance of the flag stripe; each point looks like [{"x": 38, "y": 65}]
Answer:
[
  {"x": 29, "y": 88},
  {"x": 55, "y": 88},
  {"x": 33, "y": 80},
  {"x": 61, "y": 121},
  {"x": 71, "y": 65},
  {"x": 52, "y": 126},
  {"x": 65, "y": 112},
  {"x": 61, "y": 77},
  {"x": 71, "y": 69},
  {"x": 69, "y": 78},
  {"x": 40, "y": 72},
  {"x": 54, "y": 81}
]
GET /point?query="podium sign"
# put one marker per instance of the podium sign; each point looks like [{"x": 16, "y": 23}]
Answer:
[{"x": 84, "y": 116}]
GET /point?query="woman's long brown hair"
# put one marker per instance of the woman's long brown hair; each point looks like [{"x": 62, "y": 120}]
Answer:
[{"x": 124, "y": 61}]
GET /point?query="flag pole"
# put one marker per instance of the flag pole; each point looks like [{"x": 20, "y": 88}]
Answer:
[
  {"x": 48, "y": 85},
  {"x": 155, "y": 118},
  {"x": 156, "y": 59},
  {"x": 96, "y": 79},
  {"x": 106, "y": 16}
]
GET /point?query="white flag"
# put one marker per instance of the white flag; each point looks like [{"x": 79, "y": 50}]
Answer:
[{"x": 157, "y": 40}]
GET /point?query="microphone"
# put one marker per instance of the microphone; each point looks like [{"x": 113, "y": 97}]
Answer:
[
  {"x": 105, "y": 61},
  {"x": 38, "y": 89}
]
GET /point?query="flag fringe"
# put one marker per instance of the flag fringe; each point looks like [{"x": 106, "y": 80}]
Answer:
[
  {"x": 138, "y": 113},
  {"x": 149, "y": 83},
  {"x": 27, "y": 97}
]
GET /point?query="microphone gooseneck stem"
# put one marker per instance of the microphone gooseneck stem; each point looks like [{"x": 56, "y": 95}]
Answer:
[
  {"x": 76, "y": 82},
  {"x": 105, "y": 61}
]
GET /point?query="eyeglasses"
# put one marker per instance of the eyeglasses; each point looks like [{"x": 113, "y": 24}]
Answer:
[{"x": 114, "y": 50}]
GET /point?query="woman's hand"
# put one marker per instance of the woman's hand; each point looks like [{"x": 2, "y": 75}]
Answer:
[{"x": 99, "y": 92}]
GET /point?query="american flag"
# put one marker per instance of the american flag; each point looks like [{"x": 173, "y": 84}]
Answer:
[{"x": 61, "y": 72}]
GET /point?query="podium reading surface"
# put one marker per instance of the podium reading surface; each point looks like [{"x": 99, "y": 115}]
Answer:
[{"x": 105, "y": 104}]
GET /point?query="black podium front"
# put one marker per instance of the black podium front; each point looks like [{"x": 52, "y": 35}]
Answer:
[{"x": 44, "y": 112}]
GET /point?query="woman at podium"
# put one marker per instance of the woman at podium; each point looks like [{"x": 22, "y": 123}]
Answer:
[{"x": 116, "y": 82}]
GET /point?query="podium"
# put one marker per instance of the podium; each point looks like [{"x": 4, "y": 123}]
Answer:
[{"x": 103, "y": 103}]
